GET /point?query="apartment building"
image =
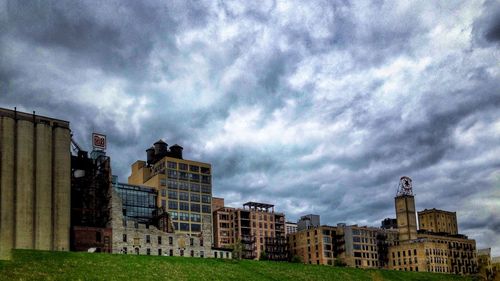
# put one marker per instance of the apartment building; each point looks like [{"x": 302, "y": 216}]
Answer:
[{"x": 256, "y": 226}]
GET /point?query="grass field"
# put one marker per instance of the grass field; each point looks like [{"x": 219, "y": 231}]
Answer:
[{"x": 43, "y": 265}]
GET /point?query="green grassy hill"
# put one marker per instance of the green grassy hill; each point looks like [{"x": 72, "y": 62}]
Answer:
[{"x": 36, "y": 265}]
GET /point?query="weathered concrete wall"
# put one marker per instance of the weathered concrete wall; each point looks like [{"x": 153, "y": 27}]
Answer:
[
  {"x": 61, "y": 189},
  {"x": 24, "y": 185},
  {"x": 35, "y": 169},
  {"x": 43, "y": 187},
  {"x": 6, "y": 186}
]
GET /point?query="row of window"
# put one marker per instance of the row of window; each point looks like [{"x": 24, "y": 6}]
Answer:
[
  {"x": 184, "y": 167},
  {"x": 186, "y": 196},
  {"x": 415, "y": 260},
  {"x": 173, "y": 174},
  {"x": 161, "y": 252},
  {"x": 185, "y": 206},
  {"x": 194, "y": 187},
  {"x": 404, "y": 253}
]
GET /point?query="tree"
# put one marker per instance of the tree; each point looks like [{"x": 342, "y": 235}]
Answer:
[
  {"x": 237, "y": 248},
  {"x": 296, "y": 259},
  {"x": 263, "y": 256}
]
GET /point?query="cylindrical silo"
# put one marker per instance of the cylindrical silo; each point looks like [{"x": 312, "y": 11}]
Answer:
[
  {"x": 6, "y": 186},
  {"x": 62, "y": 183},
  {"x": 24, "y": 185},
  {"x": 43, "y": 187}
]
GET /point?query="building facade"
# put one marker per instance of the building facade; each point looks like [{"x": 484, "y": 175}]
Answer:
[
  {"x": 308, "y": 221},
  {"x": 140, "y": 227},
  {"x": 430, "y": 251},
  {"x": 184, "y": 186},
  {"x": 256, "y": 226},
  {"x": 91, "y": 185},
  {"x": 290, "y": 227},
  {"x": 34, "y": 182},
  {"x": 438, "y": 221}
]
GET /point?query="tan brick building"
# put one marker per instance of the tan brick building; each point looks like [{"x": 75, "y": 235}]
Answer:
[
  {"x": 434, "y": 220},
  {"x": 184, "y": 186}
]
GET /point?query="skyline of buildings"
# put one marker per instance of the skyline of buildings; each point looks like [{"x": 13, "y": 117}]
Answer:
[{"x": 185, "y": 218}]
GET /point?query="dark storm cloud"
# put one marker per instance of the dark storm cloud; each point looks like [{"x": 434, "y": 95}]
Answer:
[
  {"x": 316, "y": 107},
  {"x": 487, "y": 25}
]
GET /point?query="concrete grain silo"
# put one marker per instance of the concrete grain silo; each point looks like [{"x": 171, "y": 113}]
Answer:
[{"x": 34, "y": 182}]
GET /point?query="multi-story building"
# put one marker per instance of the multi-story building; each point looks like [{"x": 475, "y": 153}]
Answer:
[
  {"x": 141, "y": 227},
  {"x": 290, "y": 227},
  {"x": 438, "y": 221},
  {"x": 389, "y": 223},
  {"x": 315, "y": 245},
  {"x": 224, "y": 234},
  {"x": 308, "y": 221},
  {"x": 355, "y": 246},
  {"x": 184, "y": 186},
  {"x": 34, "y": 182},
  {"x": 256, "y": 226},
  {"x": 429, "y": 251}
]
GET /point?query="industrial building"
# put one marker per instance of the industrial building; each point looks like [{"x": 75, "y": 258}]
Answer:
[
  {"x": 34, "y": 182},
  {"x": 141, "y": 227},
  {"x": 91, "y": 179},
  {"x": 349, "y": 245},
  {"x": 256, "y": 226},
  {"x": 438, "y": 221},
  {"x": 425, "y": 249},
  {"x": 184, "y": 186}
]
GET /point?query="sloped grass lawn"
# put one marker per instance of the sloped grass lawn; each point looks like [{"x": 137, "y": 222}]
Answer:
[{"x": 44, "y": 265}]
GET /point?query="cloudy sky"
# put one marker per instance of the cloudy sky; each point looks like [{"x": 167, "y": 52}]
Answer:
[{"x": 314, "y": 106}]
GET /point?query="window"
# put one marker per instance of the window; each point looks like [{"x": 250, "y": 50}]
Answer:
[
  {"x": 191, "y": 241},
  {"x": 172, "y": 205},
  {"x": 124, "y": 250},
  {"x": 183, "y": 176},
  {"x": 172, "y": 174},
  {"x": 195, "y": 187},
  {"x": 164, "y": 203},
  {"x": 201, "y": 243},
  {"x": 136, "y": 251},
  {"x": 171, "y": 165},
  {"x": 196, "y": 198},
  {"x": 194, "y": 168},
  {"x": 163, "y": 182},
  {"x": 183, "y": 216},
  {"x": 194, "y": 177},
  {"x": 183, "y": 166},
  {"x": 170, "y": 242},
  {"x": 184, "y": 186},
  {"x": 159, "y": 240},
  {"x": 172, "y": 184},
  {"x": 183, "y": 196},
  {"x": 184, "y": 206},
  {"x": 172, "y": 194},
  {"x": 163, "y": 192},
  {"x": 202, "y": 254},
  {"x": 205, "y": 179},
  {"x": 192, "y": 253},
  {"x": 98, "y": 236},
  {"x": 124, "y": 222},
  {"x": 171, "y": 251},
  {"x": 148, "y": 251},
  {"x": 159, "y": 252},
  {"x": 184, "y": 226},
  {"x": 195, "y": 217},
  {"x": 206, "y": 209},
  {"x": 124, "y": 237},
  {"x": 148, "y": 239},
  {"x": 205, "y": 199},
  {"x": 205, "y": 189}
]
